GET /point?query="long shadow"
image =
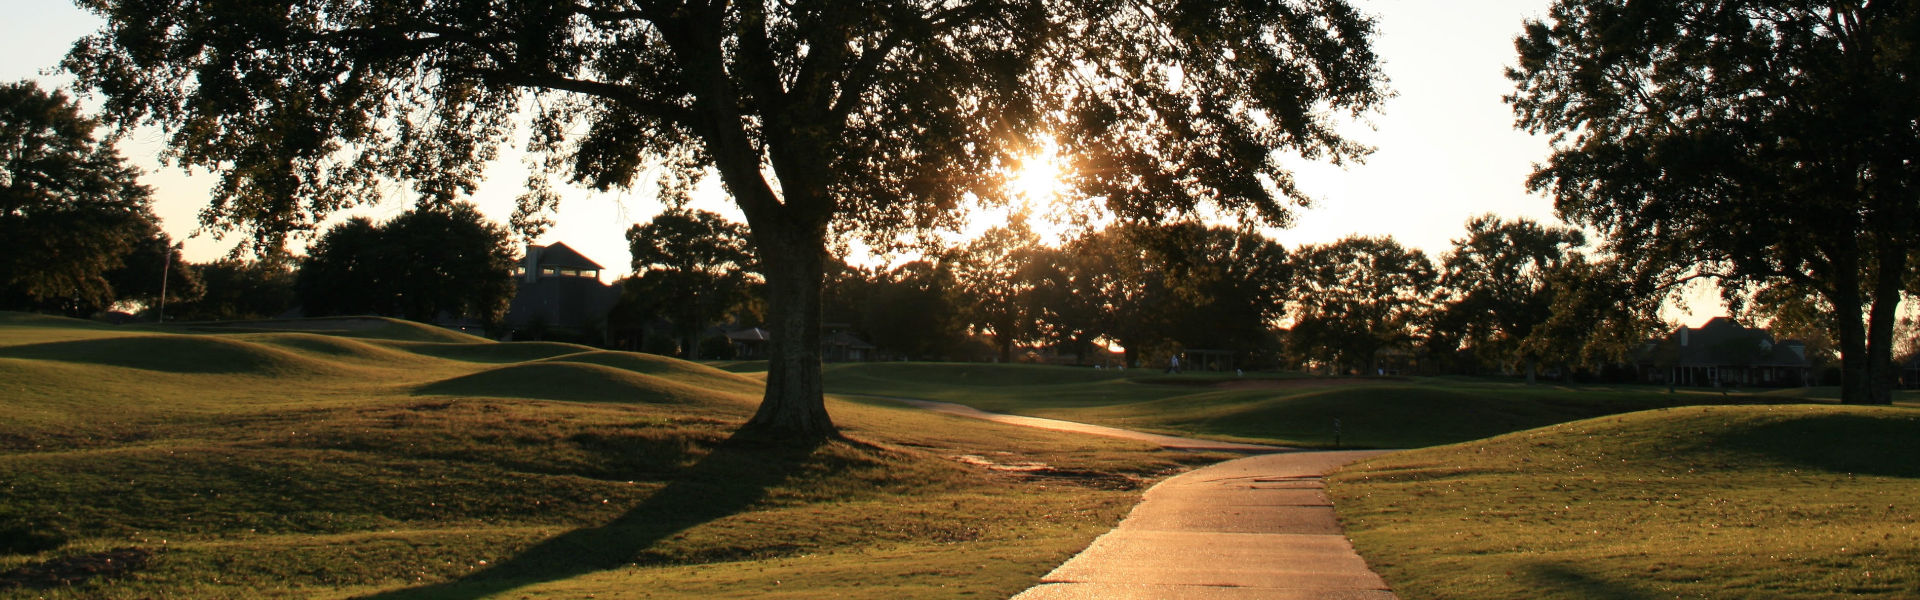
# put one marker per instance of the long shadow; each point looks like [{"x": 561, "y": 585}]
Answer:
[
  {"x": 1561, "y": 577},
  {"x": 732, "y": 477}
]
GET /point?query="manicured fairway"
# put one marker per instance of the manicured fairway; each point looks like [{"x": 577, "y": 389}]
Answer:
[
  {"x": 1263, "y": 408},
  {"x": 390, "y": 459},
  {"x": 1697, "y": 502}
]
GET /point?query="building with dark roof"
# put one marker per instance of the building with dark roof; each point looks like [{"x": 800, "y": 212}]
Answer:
[
  {"x": 1723, "y": 353},
  {"x": 558, "y": 291}
]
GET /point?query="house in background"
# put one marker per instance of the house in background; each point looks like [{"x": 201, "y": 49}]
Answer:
[
  {"x": 750, "y": 343},
  {"x": 558, "y": 294},
  {"x": 1723, "y": 353}
]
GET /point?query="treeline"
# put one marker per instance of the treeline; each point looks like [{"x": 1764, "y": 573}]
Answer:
[
  {"x": 1511, "y": 295},
  {"x": 1508, "y": 296}
]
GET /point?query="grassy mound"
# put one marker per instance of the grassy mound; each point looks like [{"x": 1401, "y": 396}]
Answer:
[
  {"x": 379, "y": 328},
  {"x": 231, "y": 474},
  {"x": 968, "y": 374},
  {"x": 1792, "y": 501},
  {"x": 175, "y": 354},
  {"x": 336, "y": 348},
  {"x": 576, "y": 382},
  {"x": 1294, "y": 411},
  {"x": 1388, "y": 415},
  {"x": 492, "y": 352},
  {"x": 671, "y": 368}
]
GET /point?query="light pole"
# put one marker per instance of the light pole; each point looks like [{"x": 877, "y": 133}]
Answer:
[{"x": 166, "y": 264}]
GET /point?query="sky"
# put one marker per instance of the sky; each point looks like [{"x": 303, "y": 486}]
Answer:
[{"x": 1446, "y": 148}]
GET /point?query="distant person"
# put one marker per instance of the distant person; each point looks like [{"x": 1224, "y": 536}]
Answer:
[{"x": 1173, "y": 364}]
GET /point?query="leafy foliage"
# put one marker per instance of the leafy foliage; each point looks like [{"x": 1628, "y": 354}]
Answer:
[
  {"x": 80, "y": 229},
  {"x": 1356, "y": 297},
  {"x": 692, "y": 267},
  {"x": 1760, "y": 142},
  {"x": 817, "y": 115},
  {"x": 427, "y": 261},
  {"x": 1499, "y": 277},
  {"x": 996, "y": 279},
  {"x": 240, "y": 289}
]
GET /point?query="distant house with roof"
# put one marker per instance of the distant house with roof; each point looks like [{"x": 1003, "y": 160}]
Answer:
[
  {"x": 1722, "y": 353},
  {"x": 749, "y": 343},
  {"x": 558, "y": 291}
]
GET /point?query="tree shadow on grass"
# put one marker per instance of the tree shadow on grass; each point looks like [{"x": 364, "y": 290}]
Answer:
[
  {"x": 1552, "y": 577},
  {"x": 732, "y": 477},
  {"x": 1859, "y": 444}
]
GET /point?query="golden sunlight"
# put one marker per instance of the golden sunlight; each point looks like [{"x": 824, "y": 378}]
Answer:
[
  {"x": 1036, "y": 193},
  {"x": 1037, "y": 180}
]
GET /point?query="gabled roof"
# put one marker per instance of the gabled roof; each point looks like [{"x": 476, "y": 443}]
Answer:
[
  {"x": 842, "y": 338},
  {"x": 750, "y": 334},
  {"x": 1722, "y": 341},
  {"x": 558, "y": 254}
]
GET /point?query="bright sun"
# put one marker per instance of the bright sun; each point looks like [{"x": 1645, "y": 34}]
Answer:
[
  {"x": 1037, "y": 194},
  {"x": 1037, "y": 180}
]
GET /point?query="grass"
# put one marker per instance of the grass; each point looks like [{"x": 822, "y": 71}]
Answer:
[
  {"x": 372, "y": 458},
  {"x": 1275, "y": 409},
  {"x": 1797, "y": 501}
]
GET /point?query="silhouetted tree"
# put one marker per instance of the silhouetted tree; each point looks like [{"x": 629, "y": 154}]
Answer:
[
  {"x": 994, "y": 283},
  {"x": 1114, "y": 275},
  {"x": 427, "y": 261},
  {"x": 79, "y": 228},
  {"x": 1228, "y": 286},
  {"x": 1756, "y": 142},
  {"x": 1355, "y": 297},
  {"x": 233, "y": 289},
  {"x": 348, "y": 271},
  {"x": 1498, "y": 281},
  {"x": 911, "y": 309},
  {"x": 1601, "y": 314},
  {"x": 817, "y": 115},
  {"x": 692, "y": 267}
]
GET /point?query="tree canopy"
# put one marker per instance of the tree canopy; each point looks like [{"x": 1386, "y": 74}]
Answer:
[
  {"x": 80, "y": 228},
  {"x": 1356, "y": 297},
  {"x": 816, "y": 115},
  {"x": 1758, "y": 142},
  {"x": 692, "y": 267},
  {"x": 1500, "y": 277},
  {"x": 427, "y": 261}
]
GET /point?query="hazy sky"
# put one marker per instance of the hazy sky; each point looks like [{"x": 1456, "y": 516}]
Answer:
[{"x": 1447, "y": 149}]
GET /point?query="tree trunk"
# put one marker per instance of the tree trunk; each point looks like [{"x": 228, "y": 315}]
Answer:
[
  {"x": 1882, "y": 376},
  {"x": 794, "y": 407},
  {"x": 1854, "y": 375},
  {"x": 1533, "y": 370}
]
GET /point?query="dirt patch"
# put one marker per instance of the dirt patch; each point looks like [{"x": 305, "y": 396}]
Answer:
[
  {"x": 1042, "y": 472},
  {"x": 1300, "y": 384},
  {"x": 77, "y": 569}
]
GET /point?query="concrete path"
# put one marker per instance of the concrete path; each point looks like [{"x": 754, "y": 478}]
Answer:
[
  {"x": 1165, "y": 441},
  {"x": 1256, "y": 527}
]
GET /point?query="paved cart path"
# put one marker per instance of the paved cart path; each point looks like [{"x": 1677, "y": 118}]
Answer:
[
  {"x": 1256, "y": 527},
  {"x": 1165, "y": 441}
]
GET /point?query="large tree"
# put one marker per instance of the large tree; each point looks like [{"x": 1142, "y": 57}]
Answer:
[
  {"x": 431, "y": 260},
  {"x": 692, "y": 267},
  {"x": 79, "y": 228},
  {"x": 1353, "y": 298},
  {"x": 1759, "y": 142},
  {"x": 1498, "y": 280},
  {"x": 996, "y": 277},
  {"x": 817, "y": 115}
]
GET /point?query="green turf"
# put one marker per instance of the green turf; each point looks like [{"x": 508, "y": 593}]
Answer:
[
  {"x": 381, "y": 459},
  {"x": 1797, "y": 501},
  {"x": 1279, "y": 409}
]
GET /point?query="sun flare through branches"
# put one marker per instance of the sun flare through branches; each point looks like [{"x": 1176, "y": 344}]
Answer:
[{"x": 1035, "y": 190}]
